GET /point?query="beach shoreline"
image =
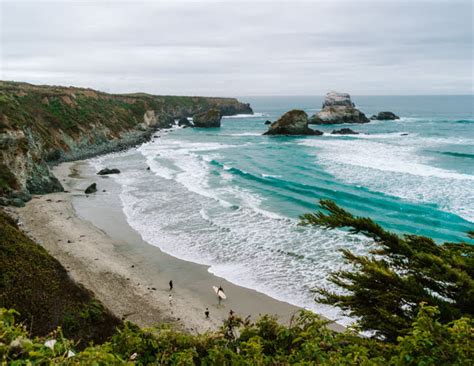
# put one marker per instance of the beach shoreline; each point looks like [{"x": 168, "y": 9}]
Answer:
[{"x": 91, "y": 238}]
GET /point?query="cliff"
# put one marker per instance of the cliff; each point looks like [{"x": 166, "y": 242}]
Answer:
[
  {"x": 41, "y": 290},
  {"x": 50, "y": 124}
]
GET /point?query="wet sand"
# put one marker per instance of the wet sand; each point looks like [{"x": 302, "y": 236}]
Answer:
[{"x": 90, "y": 236}]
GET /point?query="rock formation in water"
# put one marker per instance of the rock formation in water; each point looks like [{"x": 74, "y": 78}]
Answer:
[
  {"x": 338, "y": 108},
  {"x": 208, "y": 119},
  {"x": 384, "y": 116},
  {"x": 294, "y": 122},
  {"x": 344, "y": 131},
  {"x": 107, "y": 171},
  {"x": 44, "y": 125}
]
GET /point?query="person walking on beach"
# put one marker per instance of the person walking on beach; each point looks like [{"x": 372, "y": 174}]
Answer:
[
  {"x": 171, "y": 285},
  {"x": 219, "y": 297},
  {"x": 206, "y": 313}
]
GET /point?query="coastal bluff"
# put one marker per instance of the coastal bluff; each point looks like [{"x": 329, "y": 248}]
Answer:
[
  {"x": 338, "y": 108},
  {"x": 42, "y": 125}
]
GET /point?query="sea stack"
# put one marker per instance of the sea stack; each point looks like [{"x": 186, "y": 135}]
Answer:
[
  {"x": 338, "y": 108},
  {"x": 294, "y": 122},
  {"x": 210, "y": 118},
  {"x": 384, "y": 116}
]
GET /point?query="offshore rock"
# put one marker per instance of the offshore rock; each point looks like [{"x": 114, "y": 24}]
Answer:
[
  {"x": 338, "y": 108},
  {"x": 91, "y": 189},
  {"x": 294, "y": 122},
  {"x": 268, "y": 122},
  {"x": 210, "y": 118},
  {"x": 344, "y": 131},
  {"x": 106, "y": 171},
  {"x": 337, "y": 99},
  {"x": 384, "y": 116}
]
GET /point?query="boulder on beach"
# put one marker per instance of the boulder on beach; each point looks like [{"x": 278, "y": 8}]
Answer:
[
  {"x": 294, "y": 122},
  {"x": 344, "y": 131},
  {"x": 384, "y": 116},
  {"x": 184, "y": 122},
  {"x": 210, "y": 118},
  {"x": 338, "y": 108},
  {"x": 106, "y": 171},
  {"x": 91, "y": 189}
]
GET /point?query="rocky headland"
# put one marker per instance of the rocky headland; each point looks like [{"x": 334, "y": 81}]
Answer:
[
  {"x": 45, "y": 125},
  {"x": 294, "y": 122},
  {"x": 338, "y": 108}
]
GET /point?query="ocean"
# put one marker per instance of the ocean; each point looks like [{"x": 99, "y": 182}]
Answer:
[{"x": 230, "y": 198}]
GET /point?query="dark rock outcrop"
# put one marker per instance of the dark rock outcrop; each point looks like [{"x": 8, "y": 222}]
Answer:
[
  {"x": 294, "y": 122},
  {"x": 91, "y": 189},
  {"x": 208, "y": 119},
  {"x": 184, "y": 122},
  {"x": 338, "y": 108},
  {"x": 42, "y": 181},
  {"x": 344, "y": 131},
  {"x": 268, "y": 122},
  {"x": 236, "y": 108},
  {"x": 15, "y": 198},
  {"x": 384, "y": 116},
  {"x": 107, "y": 171}
]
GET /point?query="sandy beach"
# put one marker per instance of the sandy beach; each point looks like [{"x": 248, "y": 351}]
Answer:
[{"x": 90, "y": 236}]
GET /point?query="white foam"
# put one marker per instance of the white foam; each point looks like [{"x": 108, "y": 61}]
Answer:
[
  {"x": 397, "y": 169},
  {"x": 272, "y": 255},
  {"x": 255, "y": 115},
  {"x": 244, "y": 134}
]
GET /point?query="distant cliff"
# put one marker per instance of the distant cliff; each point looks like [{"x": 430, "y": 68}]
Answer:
[{"x": 48, "y": 124}]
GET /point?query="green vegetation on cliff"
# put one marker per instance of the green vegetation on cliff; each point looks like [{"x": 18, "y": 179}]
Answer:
[
  {"x": 40, "y": 289},
  {"x": 306, "y": 341}
]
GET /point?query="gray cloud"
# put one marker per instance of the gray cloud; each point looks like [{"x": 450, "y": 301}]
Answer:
[{"x": 241, "y": 48}]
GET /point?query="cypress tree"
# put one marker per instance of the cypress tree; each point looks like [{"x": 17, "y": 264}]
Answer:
[{"x": 385, "y": 288}]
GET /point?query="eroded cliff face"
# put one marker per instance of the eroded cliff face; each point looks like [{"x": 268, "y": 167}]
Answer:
[{"x": 49, "y": 124}]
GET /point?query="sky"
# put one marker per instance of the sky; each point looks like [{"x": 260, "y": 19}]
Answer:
[{"x": 241, "y": 48}]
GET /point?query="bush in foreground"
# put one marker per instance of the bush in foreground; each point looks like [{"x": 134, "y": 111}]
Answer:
[{"x": 306, "y": 341}]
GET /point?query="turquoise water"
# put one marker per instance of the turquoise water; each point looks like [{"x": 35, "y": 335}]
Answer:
[{"x": 230, "y": 198}]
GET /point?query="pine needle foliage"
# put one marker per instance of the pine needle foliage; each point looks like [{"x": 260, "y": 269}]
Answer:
[{"x": 385, "y": 288}]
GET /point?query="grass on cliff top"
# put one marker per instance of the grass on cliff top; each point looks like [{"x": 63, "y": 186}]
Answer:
[{"x": 40, "y": 289}]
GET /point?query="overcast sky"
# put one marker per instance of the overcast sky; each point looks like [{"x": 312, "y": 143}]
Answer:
[{"x": 241, "y": 48}]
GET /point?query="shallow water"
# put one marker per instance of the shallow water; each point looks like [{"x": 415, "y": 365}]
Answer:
[{"x": 230, "y": 197}]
